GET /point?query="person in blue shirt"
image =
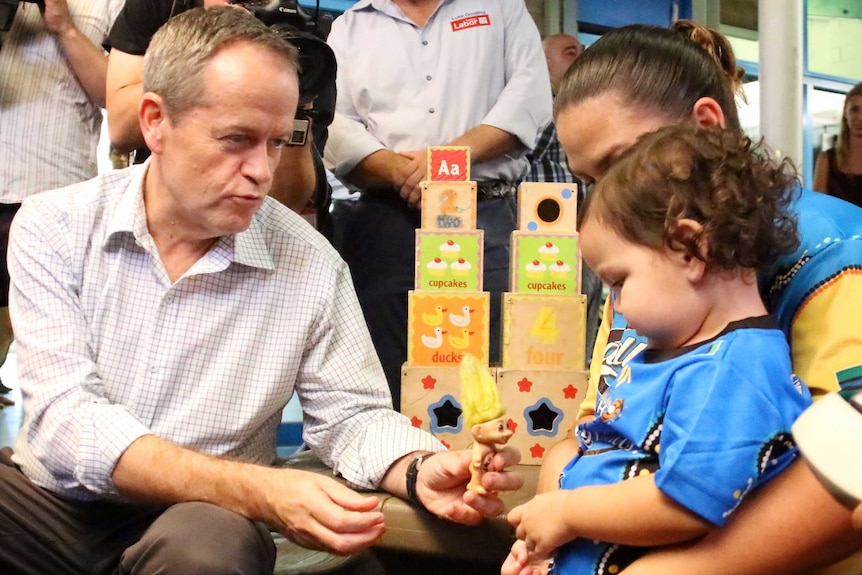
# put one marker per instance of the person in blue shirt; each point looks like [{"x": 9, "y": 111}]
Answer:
[
  {"x": 677, "y": 229},
  {"x": 635, "y": 80}
]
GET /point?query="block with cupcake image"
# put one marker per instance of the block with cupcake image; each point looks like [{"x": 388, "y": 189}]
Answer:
[
  {"x": 545, "y": 264},
  {"x": 449, "y": 260}
]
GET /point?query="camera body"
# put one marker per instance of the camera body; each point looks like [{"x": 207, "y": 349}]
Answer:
[
  {"x": 316, "y": 62},
  {"x": 308, "y": 34}
]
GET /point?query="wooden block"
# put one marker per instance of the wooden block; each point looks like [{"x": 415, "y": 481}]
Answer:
[
  {"x": 548, "y": 207},
  {"x": 431, "y": 398},
  {"x": 544, "y": 332},
  {"x": 443, "y": 326},
  {"x": 448, "y": 205},
  {"x": 541, "y": 406},
  {"x": 449, "y": 261},
  {"x": 449, "y": 163},
  {"x": 545, "y": 264}
]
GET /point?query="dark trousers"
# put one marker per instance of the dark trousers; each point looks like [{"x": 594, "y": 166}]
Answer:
[
  {"x": 376, "y": 237},
  {"x": 41, "y": 534}
]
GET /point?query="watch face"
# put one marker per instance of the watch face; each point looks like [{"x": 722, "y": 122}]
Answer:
[
  {"x": 300, "y": 132},
  {"x": 829, "y": 435}
]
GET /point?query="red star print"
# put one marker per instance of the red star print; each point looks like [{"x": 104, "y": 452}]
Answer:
[
  {"x": 428, "y": 382},
  {"x": 512, "y": 425},
  {"x": 525, "y": 385},
  {"x": 537, "y": 451},
  {"x": 446, "y": 443},
  {"x": 416, "y": 421},
  {"x": 570, "y": 392}
]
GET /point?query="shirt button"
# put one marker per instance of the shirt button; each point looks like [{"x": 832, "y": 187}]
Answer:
[
  {"x": 424, "y": 42},
  {"x": 430, "y": 110},
  {"x": 428, "y": 78}
]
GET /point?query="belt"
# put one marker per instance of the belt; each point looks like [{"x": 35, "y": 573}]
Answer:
[
  {"x": 486, "y": 190},
  {"x": 490, "y": 189}
]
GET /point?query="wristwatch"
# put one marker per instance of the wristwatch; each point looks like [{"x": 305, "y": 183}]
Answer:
[{"x": 412, "y": 475}]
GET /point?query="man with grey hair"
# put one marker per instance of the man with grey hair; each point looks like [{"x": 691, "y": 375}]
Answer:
[{"x": 166, "y": 314}]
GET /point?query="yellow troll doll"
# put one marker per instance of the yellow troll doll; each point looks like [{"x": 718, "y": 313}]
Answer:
[{"x": 483, "y": 411}]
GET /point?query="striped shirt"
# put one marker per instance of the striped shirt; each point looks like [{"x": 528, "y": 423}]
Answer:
[
  {"x": 49, "y": 128},
  {"x": 111, "y": 350}
]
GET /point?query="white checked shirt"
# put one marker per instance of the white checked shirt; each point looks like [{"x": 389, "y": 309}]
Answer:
[{"x": 110, "y": 350}]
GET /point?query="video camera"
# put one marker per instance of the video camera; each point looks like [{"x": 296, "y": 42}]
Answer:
[
  {"x": 306, "y": 32},
  {"x": 8, "y": 9}
]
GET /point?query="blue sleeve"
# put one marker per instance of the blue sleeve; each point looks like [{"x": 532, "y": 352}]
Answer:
[{"x": 726, "y": 431}]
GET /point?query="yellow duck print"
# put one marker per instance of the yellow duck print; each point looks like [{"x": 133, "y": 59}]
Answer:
[
  {"x": 461, "y": 342},
  {"x": 435, "y": 318}
]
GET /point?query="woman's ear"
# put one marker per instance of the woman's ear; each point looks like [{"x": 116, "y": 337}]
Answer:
[
  {"x": 684, "y": 234},
  {"x": 706, "y": 112}
]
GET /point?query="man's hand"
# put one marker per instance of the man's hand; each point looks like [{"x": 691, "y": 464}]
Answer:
[
  {"x": 58, "y": 19},
  {"x": 410, "y": 175},
  {"x": 318, "y": 512},
  {"x": 442, "y": 480}
]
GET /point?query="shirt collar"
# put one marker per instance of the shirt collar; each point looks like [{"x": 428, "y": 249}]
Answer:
[{"x": 247, "y": 248}]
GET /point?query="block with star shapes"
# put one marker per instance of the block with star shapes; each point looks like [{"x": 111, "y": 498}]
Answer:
[
  {"x": 430, "y": 397},
  {"x": 541, "y": 407}
]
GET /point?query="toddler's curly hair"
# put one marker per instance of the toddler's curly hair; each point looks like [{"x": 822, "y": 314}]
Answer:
[{"x": 719, "y": 178}]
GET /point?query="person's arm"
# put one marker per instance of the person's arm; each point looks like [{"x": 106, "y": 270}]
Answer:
[
  {"x": 87, "y": 61},
  {"x": 123, "y": 95},
  {"x": 791, "y": 525},
  {"x": 632, "y": 512},
  {"x": 821, "y": 173},
  {"x": 310, "y": 509},
  {"x": 295, "y": 179}
]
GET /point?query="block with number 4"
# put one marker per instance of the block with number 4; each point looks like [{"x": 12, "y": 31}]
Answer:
[{"x": 544, "y": 332}]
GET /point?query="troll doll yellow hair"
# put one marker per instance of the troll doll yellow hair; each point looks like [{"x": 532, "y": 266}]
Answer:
[{"x": 480, "y": 401}]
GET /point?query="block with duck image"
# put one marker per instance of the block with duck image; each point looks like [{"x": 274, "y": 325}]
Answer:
[
  {"x": 448, "y": 205},
  {"x": 541, "y": 407},
  {"x": 545, "y": 264},
  {"x": 448, "y": 260},
  {"x": 548, "y": 207},
  {"x": 544, "y": 332},
  {"x": 443, "y": 326},
  {"x": 431, "y": 398}
]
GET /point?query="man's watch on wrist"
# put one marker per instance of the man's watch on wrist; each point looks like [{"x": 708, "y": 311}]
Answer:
[{"x": 412, "y": 475}]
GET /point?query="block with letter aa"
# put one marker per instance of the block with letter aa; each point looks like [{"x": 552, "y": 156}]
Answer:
[
  {"x": 448, "y": 205},
  {"x": 449, "y": 163},
  {"x": 544, "y": 332},
  {"x": 541, "y": 407},
  {"x": 548, "y": 207},
  {"x": 431, "y": 398},
  {"x": 545, "y": 264},
  {"x": 449, "y": 260},
  {"x": 443, "y": 326}
]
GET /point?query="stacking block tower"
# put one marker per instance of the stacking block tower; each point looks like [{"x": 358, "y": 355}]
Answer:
[
  {"x": 448, "y": 313},
  {"x": 543, "y": 379}
]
